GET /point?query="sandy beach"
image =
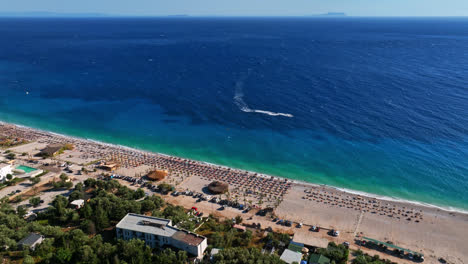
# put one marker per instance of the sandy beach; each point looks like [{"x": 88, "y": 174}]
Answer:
[{"x": 432, "y": 231}]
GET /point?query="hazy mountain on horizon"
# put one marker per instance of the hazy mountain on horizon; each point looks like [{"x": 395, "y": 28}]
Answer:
[{"x": 334, "y": 14}]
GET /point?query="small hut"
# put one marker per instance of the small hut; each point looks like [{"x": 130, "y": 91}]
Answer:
[
  {"x": 51, "y": 150},
  {"x": 218, "y": 187},
  {"x": 157, "y": 175},
  {"x": 109, "y": 166}
]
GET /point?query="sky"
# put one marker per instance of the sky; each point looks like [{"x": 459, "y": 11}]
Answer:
[{"x": 242, "y": 7}]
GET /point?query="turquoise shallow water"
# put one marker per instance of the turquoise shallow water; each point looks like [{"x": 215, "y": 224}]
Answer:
[
  {"x": 373, "y": 105},
  {"x": 244, "y": 154}
]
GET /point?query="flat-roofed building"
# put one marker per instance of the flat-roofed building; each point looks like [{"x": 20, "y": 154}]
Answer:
[
  {"x": 290, "y": 256},
  {"x": 5, "y": 169},
  {"x": 109, "y": 166},
  {"x": 159, "y": 232},
  {"x": 31, "y": 241}
]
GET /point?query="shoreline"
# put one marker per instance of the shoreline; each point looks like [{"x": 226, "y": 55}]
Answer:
[{"x": 258, "y": 174}]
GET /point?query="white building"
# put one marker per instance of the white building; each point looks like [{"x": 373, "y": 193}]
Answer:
[
  {"x": 158, "y": 232},
  {"x": 31, "y": 241},
  {"x": 77, "y": 204},
  {"x": 290, "y": 256},
  {"x": 5, "y": 169}
]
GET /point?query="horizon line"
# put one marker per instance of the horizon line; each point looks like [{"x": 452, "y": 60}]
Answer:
[{"x": 46, "y": 14}]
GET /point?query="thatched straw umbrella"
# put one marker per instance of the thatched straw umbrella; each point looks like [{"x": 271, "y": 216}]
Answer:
[
  {"x": 157, "y": 175},
  {"x": 218, "y": 187}
]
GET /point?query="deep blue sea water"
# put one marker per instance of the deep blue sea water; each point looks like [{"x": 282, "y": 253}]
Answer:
[{"x": 371, "y": 104}]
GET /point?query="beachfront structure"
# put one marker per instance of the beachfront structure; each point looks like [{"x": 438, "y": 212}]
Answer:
[
  {"x": 77, "y": 204},
  {"x": 318, "y": 259},
  {"x": 157, "y": 175},
  {"x": 109, "y": 166},
  {"x": 51, "y": 150},
  {"x": 159, "y": 232},
  {"x": 218, "y": 187},
  {"x": 290, "y": 256},
  {"x": 5, "y": 169},
  {"x": 30, "y": 241}
]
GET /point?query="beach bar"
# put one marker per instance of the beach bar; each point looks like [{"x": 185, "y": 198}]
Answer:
[{"x": 415, "y": 255}]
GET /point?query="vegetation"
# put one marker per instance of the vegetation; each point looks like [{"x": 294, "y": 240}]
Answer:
[
  {"x": 87, "y": 235},
  {"x": 336, "y": 253},
  {"x": 34, "y": 180},
  {"x": 11, "y": 156},
  {"x": 63, "y": 183},
  {"x": 244, "y": 255},
  {"x": 35, "y": 201},
  {"x": 11, "y": 182},
  {"x": 362, "y": 258},
  {"x": 67, "y": 146},
  {"x": 165, "y": 188}
]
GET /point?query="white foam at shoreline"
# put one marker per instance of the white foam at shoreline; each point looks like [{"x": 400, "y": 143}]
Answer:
[
  {"x": 299, "y": 182},
  {"x": 382, "y": 197}
]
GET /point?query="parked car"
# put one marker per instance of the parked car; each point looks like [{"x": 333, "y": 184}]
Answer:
[{"x": 335, "y": 232}]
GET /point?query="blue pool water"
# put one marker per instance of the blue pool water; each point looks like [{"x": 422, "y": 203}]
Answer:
[
  {"x": 26, "y": 169},
  {"x": 370, "y": 104}
]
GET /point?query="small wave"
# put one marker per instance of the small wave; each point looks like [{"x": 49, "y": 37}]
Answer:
[{"x": 239, "y": 100}]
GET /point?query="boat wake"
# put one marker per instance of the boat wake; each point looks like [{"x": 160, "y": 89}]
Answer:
[{"x": 239, "y": 101}]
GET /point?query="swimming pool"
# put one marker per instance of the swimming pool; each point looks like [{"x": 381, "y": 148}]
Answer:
[{"x": 25, "y": 168}]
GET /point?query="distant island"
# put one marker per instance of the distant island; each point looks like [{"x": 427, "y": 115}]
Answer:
[
  {"x": 83, "y": 15},
  {"x": 332, "y": 14}
]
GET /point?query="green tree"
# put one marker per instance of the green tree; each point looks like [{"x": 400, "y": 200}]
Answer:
[
  {"x": 86, "y": 255},
  {"x": 63, "y": 255},
  {"x": 243, "y": 255},
  {"x": 34, "y": 180},
  {"x": 147, "y": 205},
  {"x": 9, "y": 176},
  {"x": 75, "y": 195},
  {"x": 87, "y": 211},
  {"x": 169, "y": 256},
  {"x": 35, "y": 201},
  {"x": 134, "y": 251},
  {"x": 90, "y": 182},
  {"x": 139, "y": 193},
  {"x": 79, "y": 187},
  {"x": 11, "y": 156},
  {"x": 63, "y": 177},
  {"x": 21, "y": 211},
  {"x": 102, "y": 220},
  {"x": 28, "y": 260},
  {"x": 88, "y": 226},
  {"x": 337, "y": 253},
  {"x": 68, "y": 184}
]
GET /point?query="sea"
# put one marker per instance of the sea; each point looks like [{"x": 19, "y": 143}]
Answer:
[{"x": 372, "y": 105}]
